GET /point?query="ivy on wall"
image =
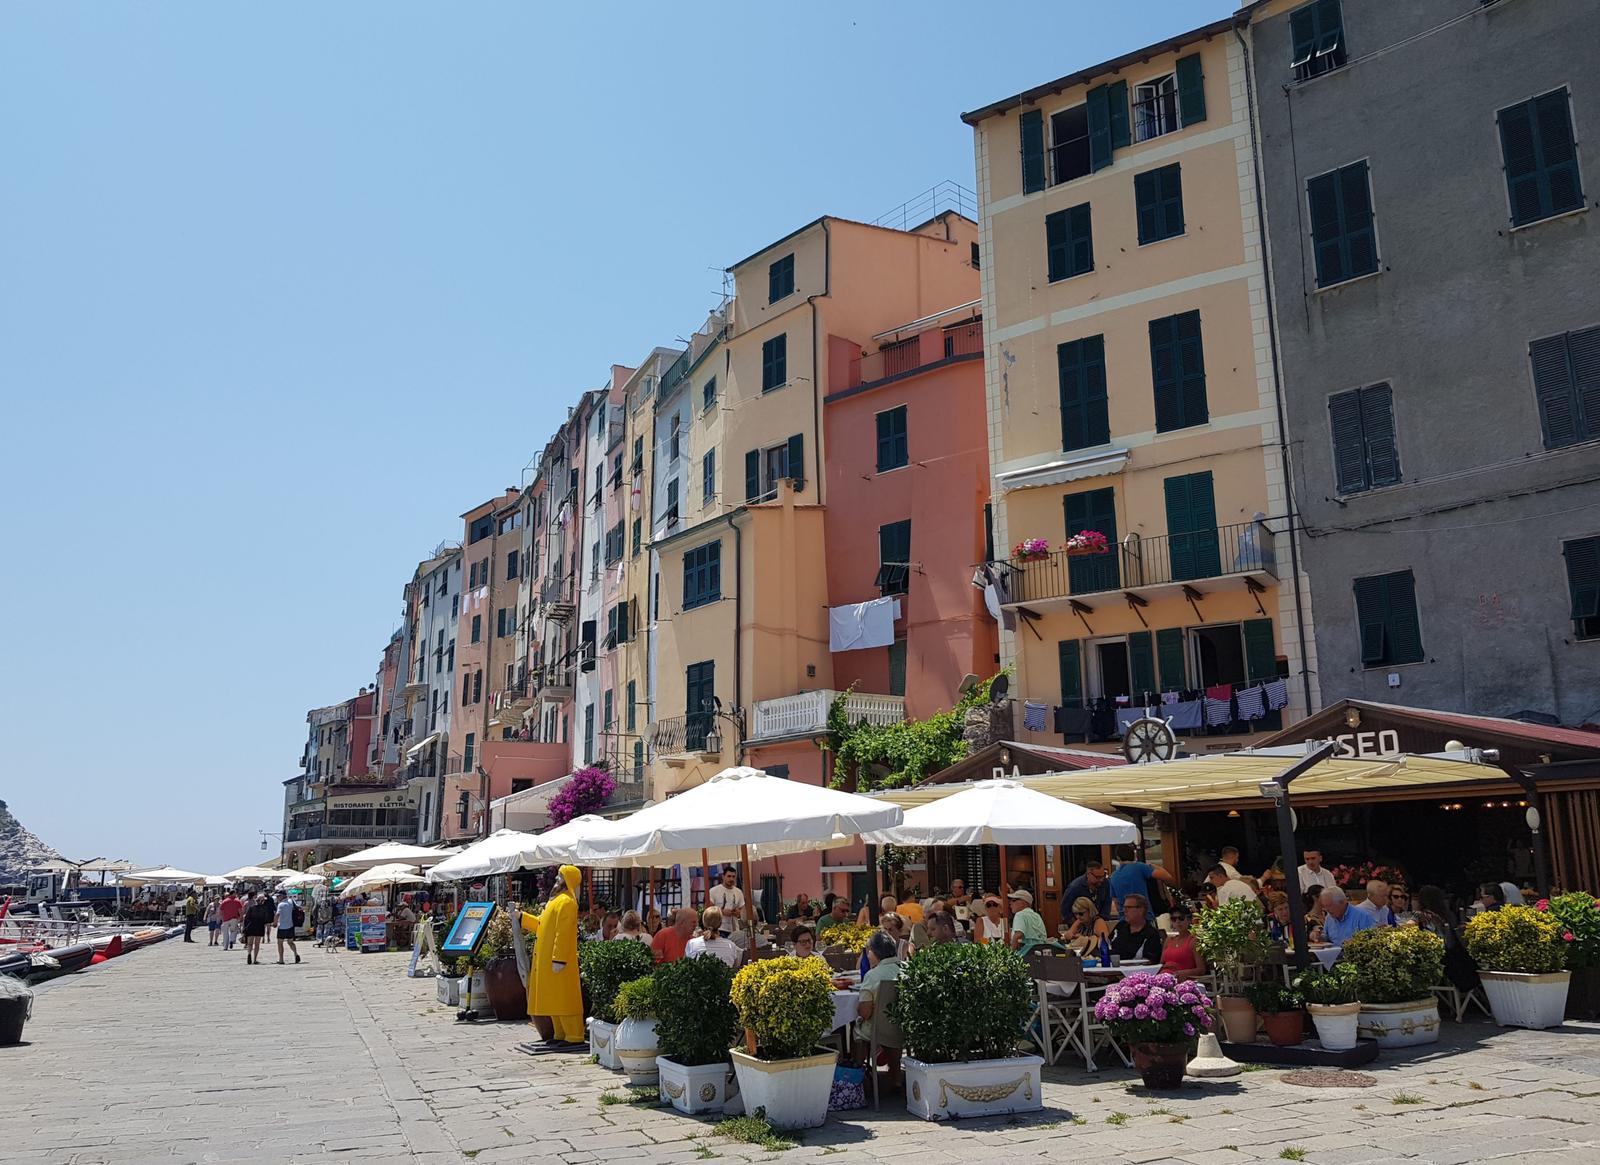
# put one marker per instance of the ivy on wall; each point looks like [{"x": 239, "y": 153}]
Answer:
[{"x": 891, "y": 756}]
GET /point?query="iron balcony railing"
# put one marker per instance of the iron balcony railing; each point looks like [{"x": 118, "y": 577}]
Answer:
[
  {"x": 925, "y": 349},
  {"x": 319, "y": 831},
  {"x": 1246, "y": 548},
  {"x": 681, "y": 735},
  {"x": 1155, "y": 115},
  {"x": 556, "y": 590}
]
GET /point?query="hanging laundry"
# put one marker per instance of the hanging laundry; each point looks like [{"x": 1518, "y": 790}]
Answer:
[
  {"x": 1169, "y": 697},
  {"x": 1219, "y": 692},
  {"x": 1218, "y": 712},
  {"x": 1277, "y": 694},
  {"x": 1187, "y": 716},
  {"x": 1126, "y": 716},
  {"x": 1252, "y": 703},
  {"x": 858, "y": 626},
  {"x": 1033, "y": 715},
  {"x": 1073, "y": 722},
  {"x": 1123, "y": 701}
]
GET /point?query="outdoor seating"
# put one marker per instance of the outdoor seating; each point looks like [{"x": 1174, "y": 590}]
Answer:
[
  {"x": 886, "y": 1035},
  {"x": 1064, "y": 1013},
  {"x": 1457, "y": 1001},
  {"x": 841, "y": 960}
]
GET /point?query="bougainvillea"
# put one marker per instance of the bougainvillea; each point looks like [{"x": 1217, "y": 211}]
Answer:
[{"x": 587, "y": 792}]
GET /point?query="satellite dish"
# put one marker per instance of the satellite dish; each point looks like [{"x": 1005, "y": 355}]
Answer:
[
  {"x": 1149, "y": 739},
  {"x": 998, "y": 689}
]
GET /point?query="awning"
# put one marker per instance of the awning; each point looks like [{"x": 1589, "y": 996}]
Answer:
[
  {"x": 411, "y": 753},
  {"x": 1064, "y": 469},
  {"x": 527, "y": 810}
]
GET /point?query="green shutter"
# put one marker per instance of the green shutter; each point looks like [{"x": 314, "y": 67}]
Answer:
[
  {"x": 1099, "y": 117},
  {"x": 630, "y": 714},
  {"x": 1405, "y": 632},
  {"x": 1192, "y": 544},
  {"x": 1141, "y": 664},
  {"x": 1117, "y": 109},
  {"x": 1071, "y": 672},
  {"x": 752, "y": 475},
  {"x": 1377, "y": 431},
  {"x": 1349, "y": 451},
  {"x": 1170, "y": 179},
  {"x": 1147, "y": 206},
  {"x": 1080, "y": 242},
  {"x": 1081, "y": 372},
  {"x": 1093, "y": 509},
  {"x": 1055, "y": 245},
  {"x": 1031, "y": 127},
  {"x": 1303, "y": 33},
  {"x": 797, "y": 460},
  {"x": 1170, "y": 658},
  {"x": 1372, "y": 618},
  {"x": 1260, "y": 654},
  {"x": 1583, "y": 576},
  {"x": 1191, "y": 90}
]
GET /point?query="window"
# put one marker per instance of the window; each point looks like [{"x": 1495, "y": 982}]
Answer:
[
  {"x": 588, "y": 735},
  {"x": 617, "y": 625},
  {"x": 894, "y": 558},
  {"x": 503, "y": 624},
  {"x": 976, "y": 256},
  {"x": 1155, "y": 108},
  {"x": 630, "y": 713},
  {"x": 1566, "y": 383},
  {"x": 607, "y": 710},
  {"x": 897, "y": 668},
  {"x": 775, "y": 363},
  {"x": 700, "y": 690},
  {"x": 1069, "y": 249},
  {"x": 511, "y": 564},
  {"x": 638, "y": 760},
  {"x": 1193, "y": 550},
  {"x": 455, "y": 606},
  {"x": 466, "y": 689},
  {"x": 1386, "y": 616},
  {"x": 1316, "y": 31},
  {"x": 1364, "y": 453},
  {"x": 468, "y": 751},
  {"x": 672, "y": 503},
  {"x": 702, "y": 575},
  {"x": 1069, "y": 144},
  {"x": 477, "y": 686},
  {"x": 1081, "y": 366},
  {"x": 1158, "y": 195},
  {"x": 708, "y": 476},
  {"x": 708, "y": 395},
  {"x": 1094, "y": 509},
  {"x": 1583, "y": 584},
  {"x": 638, "y": 534},
  {"x": 479, "y": 529},
  {"x": 765, "y": 468},
  {"x": 638, "y": 455},
  {"x": 1178, "y": 369},
  {"x": 1343, "y": 241},
  {"x": 892, "y": 451},
  {"x": 1541, "y": 161},
  {"x": 674, "y": 437},
  {"x": 614, "y": 543},
  {"x": 780, "y": 279},
  {"x": 1108, "y": 122},
  {"x": 510, "y": 522}
]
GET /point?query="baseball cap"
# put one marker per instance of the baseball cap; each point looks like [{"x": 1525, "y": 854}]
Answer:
[{"x": 1022, "y": 895}]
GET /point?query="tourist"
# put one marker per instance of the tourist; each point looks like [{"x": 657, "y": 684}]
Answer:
[
  {"x": 230, "y": 909},
  {"x": 1433, "y": 914},
  {"x": 1492, "y": 896},
  {"x": 1087, "y": 928},
  {"x": 595, "y": 919},
  {"x": 801, "y": 907},
  {"x": 838, "y": 916},
  {"x": 883, "y": 966},
  {"x": 670, "y": 941},
  {"x": 940, "y": 928},
  {"x": 1132, "y": 876},
  {"x": 631, "y": 929},
  {"x": 1027, "y": 928},
  {"x": 327, "y": 916},
  {"x": 401, "y": 925},
  {"x": 804, "y": 942},
  {"x": 256, "y": 920},
  {"x": 652, "y": 921},
  {"x": 213, "y": 922},
  {"x": 712, "y": 941},
  {"x": 1095, "y": 885},
  {"x": 1312, "y": 872},
  {"x": 1229, "y": 860},
  {"x": 1377, "y": 903},
  {"x": 1280, "y": 928},
  {"x": 1229, "y": 887},
  {"x": 191, "y": 916},
  {"x": 887, "y": 904},
  {"x": 1342, "y": 920},
  {"x": 958, "y": 893},
  {"x": 285, "y": 912},
  {"x": 1180, "y": 954},
  {"x": 991, "y": 927},
  {"x": 609, "y": 924},
  {"x": 1400, "y": 906},
  {"x": 895, "y": 927},
  {"x": 728, "y": 899},
  {"x": 910, "y": 909},
  {"x": 1315, "y": 910},
  {"x": 1135, "y": 937}
]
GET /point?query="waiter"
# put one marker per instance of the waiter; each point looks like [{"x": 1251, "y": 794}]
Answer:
[{"x": 728, "y": 898}]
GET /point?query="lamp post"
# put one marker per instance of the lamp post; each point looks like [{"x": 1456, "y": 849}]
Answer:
[{"x": 1277, "y": 791}]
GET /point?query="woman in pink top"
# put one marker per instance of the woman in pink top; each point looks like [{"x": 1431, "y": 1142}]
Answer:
[{"x": 1180, "y": 956}]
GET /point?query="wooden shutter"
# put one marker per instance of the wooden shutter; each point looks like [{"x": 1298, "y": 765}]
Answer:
[
  {"x": 1377, "y": 431},
  {"x": 1405, "y": 633},
  {"x": 1055, "y": 245},
  {"x": 885, "y": 442},
  {"x": 1099, "y": 118},
  {"x": 1191, "y": 90},
  {"x": 1260, "y": 655},
  {"x": 1094, "y": 509},
  {"x": 1141, "y": 663},
  {"x": 1303, "y": 33},
  {"x": 1349, "y": 451},
  {"x": 1170, "y": 657},
  {"x": 1583, "y": 355},
  {"x": 1191, "y": 369},
  {"x": 797, "y": 461},
  {"x": 1164, "y": 374},
  {"x": 1561, "y": 187},
  {"x": 1081, "y": 370},
  {"x": 1030, "y": 126},
  {"x": 1583, "y": 576},
  {"x": 1169, "y": 181},
  {"x": 1147, "y": 205},
  {"x": 1553, "y": 388},
  {"x": 1519, "y": 151},
  {"x": 1372, "y": 617},
  {"x": 1070, "y": 657},
  {"x": 1192, "y": 546},
  {"x": 1360, "y": 243},
  {"x": 752, "y": 475},
  {"x": 1117, "y": 110},
  {"x": 1080, "y": 240},
  {"x": 1322, "y": 195}
]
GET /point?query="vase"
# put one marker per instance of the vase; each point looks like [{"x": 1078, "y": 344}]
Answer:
[
  {"x": 1238, "y": 1019},
  {"x": 1336, "y": 1024},
  {"x": 1161, "y": 1065},
  {"x": 941, "y": 1091},
  {"x": 1285, "y": 1028},
  {"x": 1400, "y": 1025},
  {"x": 1531, "y": 1001},
  {"x": 793, "y": 1093},
  {"x": 503, "y": 984}
]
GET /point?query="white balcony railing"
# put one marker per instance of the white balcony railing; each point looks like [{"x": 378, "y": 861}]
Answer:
[{"x": 807, "y": 713}]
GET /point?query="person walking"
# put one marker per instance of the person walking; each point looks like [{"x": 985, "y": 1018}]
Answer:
[
  {"x": 213, "y": 922},
  {"x": 191, "y": 916},
  {"x": 256, "y": 920},
  {"x": 285, "y": 913},
  {"x": 230, "y": 909}
]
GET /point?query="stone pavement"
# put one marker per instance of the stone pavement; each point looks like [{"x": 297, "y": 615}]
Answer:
[{"x": 178, "y": 1055}]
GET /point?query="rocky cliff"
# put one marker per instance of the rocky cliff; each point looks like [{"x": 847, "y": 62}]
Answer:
[{"x": 19, "y": 849}]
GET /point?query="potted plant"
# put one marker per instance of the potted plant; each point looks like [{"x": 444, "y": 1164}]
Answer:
[
  {"x": 497, "y": 959},
  {"x": 635, "y": 1041},
  {"x": 1087, "y": 542},
  {"x": 1282, "y": 1012},
  {"x": 604, "y": 968},
  {"x": 1396, "y": 969},
  {"x": 16, "y": 1005},
  {"x": 695, "y": 1024},
  {"x": 848, "y": 936},
  {"x": 1521, "y": 957},
  {"x": 1156, "y": 1015},
  {"x": 1031, "y": 550},
  {"x": 961, "y": 1008},
  {"x": 785, "y": 1007},
  {"x": 1579, "y": 915},
  {"x": 1331, "y": 999},
  {"x": 1233, "y": 937}
]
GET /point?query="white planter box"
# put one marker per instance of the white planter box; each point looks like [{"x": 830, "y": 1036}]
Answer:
[
  {"x": 975, "y": 1088},
  {"x": 702, "y": 1088},
  {"x": 1518, "y": 1000},
  {"x": 449, "y": 990},
  {"x": 1400, "y": 1025},
  {"x": 1336, "y": 1024},
  {"x": 636, "y": 1050},
  {"x": 793, "y": 1094},
  {"x": 603, "y": 1043}
]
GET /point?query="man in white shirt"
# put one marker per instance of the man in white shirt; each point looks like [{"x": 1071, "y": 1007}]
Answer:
[
  {"x": 1312, "y": 873},
  {"x": 1228, "y": 889},
  {"x": 1229, "y": 861},
  {"x": 1377, "y": 903},
  {"x": 729, "y": 899}
]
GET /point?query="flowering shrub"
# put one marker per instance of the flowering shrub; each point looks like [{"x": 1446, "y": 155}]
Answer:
[
  {"x": 1518, "y": 938},
  {"x": 1352, "y": 878},
  {"x": 1031, "y": 548},
  {"x": 959, "y": 1002},
  {"x": 1394, "y": 964},
  {"x": 787, "y": 1003},
  {"x": 587, "y": 792},
  {"x": 852, "y": 936},
  {"x": 1155, "y": 1008},
  {"x": 1579, "y": 916},
  {"x": 1091, "y": 541}
]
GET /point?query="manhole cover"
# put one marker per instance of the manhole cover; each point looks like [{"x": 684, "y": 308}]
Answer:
[{"x": 1328, "y": 1078}]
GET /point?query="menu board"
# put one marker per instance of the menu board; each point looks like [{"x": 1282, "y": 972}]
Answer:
[
  {"x": 374, "y": 923},
  {"x": 468, "y": 929}
]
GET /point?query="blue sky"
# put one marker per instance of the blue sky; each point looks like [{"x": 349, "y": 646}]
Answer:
[{"x": 285, "y": 289}]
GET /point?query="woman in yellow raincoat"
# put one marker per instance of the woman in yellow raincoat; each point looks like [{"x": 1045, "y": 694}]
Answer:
[{"x": 553, "y": 988}]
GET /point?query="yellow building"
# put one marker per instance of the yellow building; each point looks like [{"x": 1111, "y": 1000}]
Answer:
[{"x": 1131, "y": 389}]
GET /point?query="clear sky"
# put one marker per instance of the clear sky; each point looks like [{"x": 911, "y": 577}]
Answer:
[{"x": 284, "y": 289}]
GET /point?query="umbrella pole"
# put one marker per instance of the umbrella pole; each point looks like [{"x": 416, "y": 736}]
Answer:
[
  {"x": 749, "y": 890},
  {"x": 705, "y": 878},
  {"x": 1005, "y": 891},
  {"x": 649, "y": 903}
]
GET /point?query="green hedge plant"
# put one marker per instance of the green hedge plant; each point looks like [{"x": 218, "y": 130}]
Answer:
[
  {"x": 605, "y": 967},
  {"x": 1579, "y": 915},
  {"x": 1232, "y": 937},
  {"x": 1394, "y": 964},
  {"x": 788, "y": 1004},
  {"x": 636, "y": 999},
  {"x": 1272, "y": 998},
  {"x": 1520, "y": 939},
  {"x": 696, "y": 1021},
  {"x": 1328, "y": 987},
  {"x": 963, "y": 1001}
]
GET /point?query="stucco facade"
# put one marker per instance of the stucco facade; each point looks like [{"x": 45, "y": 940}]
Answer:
[{"x": 1475, "y": 502}]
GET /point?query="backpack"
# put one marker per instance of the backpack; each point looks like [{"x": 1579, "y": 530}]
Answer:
[{"x": 299, "y": 917}]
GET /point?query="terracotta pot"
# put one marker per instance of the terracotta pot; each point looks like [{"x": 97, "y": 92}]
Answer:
[
  {"x": 507, "y": 996},
  {"x": 1161, "y": 1065},
  {"x": 1238, "y": 1019},
  {"x": 1285, "y": 1028}
]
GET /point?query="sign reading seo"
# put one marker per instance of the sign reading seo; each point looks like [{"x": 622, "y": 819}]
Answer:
[{"x": 1368, "y": 745}]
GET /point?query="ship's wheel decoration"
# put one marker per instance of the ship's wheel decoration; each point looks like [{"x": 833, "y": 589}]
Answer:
[{"x": 1149, "y": 739}]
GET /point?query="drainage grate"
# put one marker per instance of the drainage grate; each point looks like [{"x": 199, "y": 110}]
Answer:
[{"x": 1328, "y": 1078}]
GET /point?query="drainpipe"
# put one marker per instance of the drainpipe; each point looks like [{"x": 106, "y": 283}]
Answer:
[{"x": 1277, "y": 374}]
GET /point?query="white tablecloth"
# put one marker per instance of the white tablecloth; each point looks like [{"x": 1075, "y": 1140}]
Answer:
[
  {"x": 844, "y": 1008},
  {"x": 1326, "y": 955}
]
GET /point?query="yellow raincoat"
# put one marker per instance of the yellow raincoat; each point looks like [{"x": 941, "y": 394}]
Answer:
[{"x": 553, "y": 988}]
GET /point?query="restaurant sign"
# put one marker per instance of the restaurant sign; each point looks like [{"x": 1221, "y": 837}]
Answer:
[{"x": 1368, "y": 745}]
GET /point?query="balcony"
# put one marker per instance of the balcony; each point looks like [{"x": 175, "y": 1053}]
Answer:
[
  {"x": 1163, "y": 565},
  {"x": 1155, "y": 115},
  {"x": 555, "y": 681},
  {"x": 929, "y": 348},
  {"x": 556, "y": 596},
  {"x": 680, "y": 736},
  {"x": 807, "y": 713},
  {"x": 517, "y": 696},
  {"x": 321, "y": 831}
]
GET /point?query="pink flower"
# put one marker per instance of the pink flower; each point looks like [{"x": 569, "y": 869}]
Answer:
[
  {"x": 1141, "y": 1012},
  {"x": 1567, "y": 934},
  {"x": 1125, "y": 1012},
  {"x": 1159, "y": 1013},
  {"x": 1542, "y": 904},
  {"x": 1197, "y": 1010}
]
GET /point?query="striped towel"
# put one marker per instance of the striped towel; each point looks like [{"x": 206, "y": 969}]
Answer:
[
  {"x": 1218, "y": 712},
  {"x": 1033, "y": 715},
  {"x": 1252, "y": 703},
  {"x": 1277, "y": 694}
]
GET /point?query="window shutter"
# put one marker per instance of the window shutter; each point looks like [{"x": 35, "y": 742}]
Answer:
[
  {"x": 1372, "y": 617},
  {"x": 1081, "y": 370},
  {"x": 1141, "y": 663},
  {"x": 1521, "y": 158},
  {"x": 1164, "y": 374},
  {"x": 1094, "y": 509},
  {"x": 1081, "y": 239},
  {"x": 1171, "y": 183},
  {"x": 1147, "y": 204},
  {"x": 1583, "y": 351},
  {"x": 1377, "y": 428},
  {"x": 1070, "y": 658},
  {"x": 1031, "y": 128},
  {"x": 1117, "y": 108},
  {"x": 1583, "y": 577},
  {"x": 1260, "y": 656},
  {"x": 1553, "y": 120},
  {"x": 1191, "y": 90},
  {"x": 1170, "y": 657},
  {"x": 1349, "y": 453},
  {"x": 797, "y": 461},
  {"x": 1360, "y": 244},
  {"x": 1303, "y": 33},
  {"x": 1055, "y": 245},
  {"x": 1192, "y": 547},
  {"x": 1405, "y": 633},
  {"x": 1099, "y": 117},
  {"x": 1192, "y": 369},
  {"x": 1322, "y": 194},
  {"x": 885, "y": 441},
  {"x": 1552, "y": 386},
  {"x": 752, "y": 475}
]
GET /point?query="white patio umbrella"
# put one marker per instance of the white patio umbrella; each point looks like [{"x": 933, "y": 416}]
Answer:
[
  {"x": 499, "y": 853},
  {"x": 255, "y": 874},
  {"x": 302, "y": 881},
  {"x": 162, "y": 876},
  {"x": 217, "y": 880},
  {"x": 393, "y": 874},
  {"x": 388, "y": 853},
  {"x": 560, "y": 844}
]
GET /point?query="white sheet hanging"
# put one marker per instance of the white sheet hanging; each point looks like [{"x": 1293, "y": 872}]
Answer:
[{"x": 858, "y": 626}]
